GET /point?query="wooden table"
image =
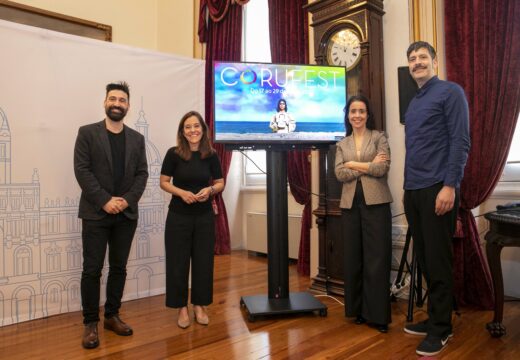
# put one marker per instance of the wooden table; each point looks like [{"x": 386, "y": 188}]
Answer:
[{"x": 504, "y": 230}]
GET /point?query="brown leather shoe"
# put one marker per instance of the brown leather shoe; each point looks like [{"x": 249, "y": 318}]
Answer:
[
  {"x": 90, "y": 338},
  {"x": 118, "y": 326}
]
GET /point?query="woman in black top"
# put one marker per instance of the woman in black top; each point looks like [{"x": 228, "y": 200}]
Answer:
[{"x": 186, "y": 173}]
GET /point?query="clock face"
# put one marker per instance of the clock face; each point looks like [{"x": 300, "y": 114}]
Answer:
[{"x": 344, "y": 49}]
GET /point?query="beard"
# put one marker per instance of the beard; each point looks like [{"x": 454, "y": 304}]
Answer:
[{"x": 114, "y": 115}]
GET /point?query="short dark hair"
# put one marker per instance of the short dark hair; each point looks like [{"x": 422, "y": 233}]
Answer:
[
  {"x": 421, "y": 45},
  {"x": 370, "y": 117},
  {"x": 121, "y": 85},
  {"x": 278, "y": 105}
]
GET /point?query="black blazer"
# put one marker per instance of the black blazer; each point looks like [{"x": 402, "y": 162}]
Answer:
[{"x": 93, "y": 170}]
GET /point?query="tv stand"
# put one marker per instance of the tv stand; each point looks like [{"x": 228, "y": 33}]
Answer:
[{"x": 279, "y": 300}]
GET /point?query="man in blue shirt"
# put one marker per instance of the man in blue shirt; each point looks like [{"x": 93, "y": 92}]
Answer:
[{"x": 437, "y": 146}]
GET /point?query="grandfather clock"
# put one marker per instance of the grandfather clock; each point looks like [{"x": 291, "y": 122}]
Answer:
[{"x": 346, "y": 33}]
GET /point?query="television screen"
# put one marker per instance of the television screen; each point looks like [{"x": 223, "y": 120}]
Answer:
[{"x": 275, "y": 103}]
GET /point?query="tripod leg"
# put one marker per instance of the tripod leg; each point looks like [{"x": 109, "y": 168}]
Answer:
[
  {"x": 403, "y": 261},
  {"x": 420, "y": 299},
  {"x": 413, "y": 273}
]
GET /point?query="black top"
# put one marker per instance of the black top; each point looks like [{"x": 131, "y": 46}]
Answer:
[
  {"x": 192, "y": 175},
  {"x": 117, "y": 147}
]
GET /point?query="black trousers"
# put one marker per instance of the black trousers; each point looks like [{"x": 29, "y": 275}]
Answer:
[
  {"x": 367, "y": 230},
  {"x": 116, "y": 231},
  {"x": 189, "y": 237},
  {"x": 432, "y": 239}
]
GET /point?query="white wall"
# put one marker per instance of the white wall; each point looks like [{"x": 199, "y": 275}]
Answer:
[
  {"x": 176, "y": 31},
  {"x": 163, "y": 25},
  {"x": 396, "y": 41}
]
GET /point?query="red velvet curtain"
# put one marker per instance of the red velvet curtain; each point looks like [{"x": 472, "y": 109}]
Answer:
[
  {"x": 289, "y": 33},
  {"x": 224, "y": 38},
  {"x": 483, "y": 56}
]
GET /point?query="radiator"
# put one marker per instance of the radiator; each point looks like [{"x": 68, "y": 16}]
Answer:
[{"x": 256, "y": 233}]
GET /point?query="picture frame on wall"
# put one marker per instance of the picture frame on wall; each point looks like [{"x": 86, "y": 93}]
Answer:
[{"x": 32, "y": 16}]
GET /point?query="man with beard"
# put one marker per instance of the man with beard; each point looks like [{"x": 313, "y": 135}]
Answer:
[
  {"x": 437, "y": 146},
  {"x": 111, "y": 169}
]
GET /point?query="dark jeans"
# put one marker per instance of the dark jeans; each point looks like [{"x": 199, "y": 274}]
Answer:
[
  {"x": 189, "y": 237},
  {"x": 432, "y": 239},
  {"x": 367, "y": 232},
  {"x": 116, "y": 231}
]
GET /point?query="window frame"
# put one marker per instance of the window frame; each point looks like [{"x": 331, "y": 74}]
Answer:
[
  {"x": 508, "y": 186},
  {"x": 255, "y": 179}
]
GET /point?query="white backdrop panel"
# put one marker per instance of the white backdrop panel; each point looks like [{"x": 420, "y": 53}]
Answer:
[{"x": 50, "y": 85}]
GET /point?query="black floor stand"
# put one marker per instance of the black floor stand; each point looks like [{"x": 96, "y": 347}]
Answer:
[
  {"x": 414, "y": 270},
  {"x": 279, "y": 300}
]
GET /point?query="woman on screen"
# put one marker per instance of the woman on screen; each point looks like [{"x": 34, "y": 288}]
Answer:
[
  {"x": 189, "y": 234},
  {"x": 362, "y": 163},
  {"x": 282, "y": 121}
]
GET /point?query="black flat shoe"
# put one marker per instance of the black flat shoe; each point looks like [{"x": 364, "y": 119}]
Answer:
[
  {"x": 360, "y": 320},
  {"x": 382, "y": 328}
]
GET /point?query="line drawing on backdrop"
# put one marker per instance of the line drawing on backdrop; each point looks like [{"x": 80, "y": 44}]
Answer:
[{"x": 40, "y": 240}]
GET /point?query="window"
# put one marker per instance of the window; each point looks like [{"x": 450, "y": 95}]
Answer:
[
  {"x": 29, "y": 228},
  {"x": 73, "y": 223},
  {"x": 52, "y": 224},
  {"x": 16, "y": 228},
  {"x": 15, "y": 202},
  {"x": 54, "y": 296},
  {"x": 255, "y": 48},
  {"x": 53, "y": 258},
  {"x": 512, "y": 169},
  {"x": 22, "y": 258},
  {"x": 74, "y": 293},
  {"x": 143, "y": 247},
  {"x": 255, "y": 33},
  {"x": 28, "y": 202},
  {"x": 74, "y": 258},
  {"x": 254, "y": 175}
]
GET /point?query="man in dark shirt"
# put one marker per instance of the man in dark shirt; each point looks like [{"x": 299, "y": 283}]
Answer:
[
  {"x": 111, "y": 169},
  {"x": 437, "y": 146}
]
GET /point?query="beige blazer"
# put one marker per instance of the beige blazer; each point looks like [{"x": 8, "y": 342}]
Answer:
[{"x": 374, "y": 182}]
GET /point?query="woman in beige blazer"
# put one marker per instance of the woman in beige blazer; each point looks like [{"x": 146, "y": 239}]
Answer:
[{"x": 362, "y": 163}]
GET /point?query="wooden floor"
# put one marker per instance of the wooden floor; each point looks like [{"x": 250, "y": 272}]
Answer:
[{"x": 230, "y": 336}]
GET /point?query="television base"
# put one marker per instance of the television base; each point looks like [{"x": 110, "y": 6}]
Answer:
[{"x": 297, "y": 302}]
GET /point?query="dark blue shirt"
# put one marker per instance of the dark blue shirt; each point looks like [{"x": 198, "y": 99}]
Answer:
[{"x": 437, "y": 136}]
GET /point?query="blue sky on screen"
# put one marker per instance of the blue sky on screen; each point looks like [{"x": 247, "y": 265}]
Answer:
[{"x": 250, "y": 92}]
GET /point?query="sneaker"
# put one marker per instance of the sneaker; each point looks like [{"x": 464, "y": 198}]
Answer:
[
  {"x": 432, "y": 345},
  {"x": 420, "y": 328}
]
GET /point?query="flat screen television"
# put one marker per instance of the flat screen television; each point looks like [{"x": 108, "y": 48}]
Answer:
[{"x": 247, "y": 97}]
